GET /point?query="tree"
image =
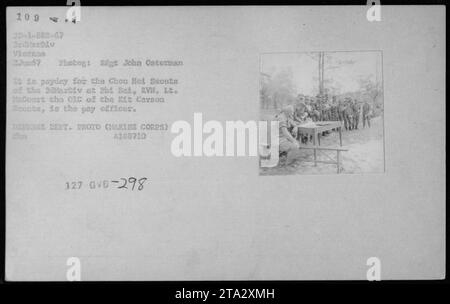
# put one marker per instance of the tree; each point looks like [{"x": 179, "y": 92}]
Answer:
[
  {"x": 372, "y": 91},
  {"x": 325, "y": 85},
  {"x": 280, "y": 87},
  {"x": 264, "y": 90}
]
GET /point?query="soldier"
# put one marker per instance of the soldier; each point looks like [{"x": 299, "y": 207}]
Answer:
[
  {"x": 315, "y": 112},
  {"x": 287, "y": 141},
  {"x": 318, "y": 106},
  {"x": 301, "y": 116},
  {"x": 325, "y": 111},
  {"x": 308, "y": 105},
  {"x": 348, "y": 114},
  {"x": 366, "y": 113},
  {"x": 341, "y": 110},
  {"x": 334, "y": 109},
  {"x": 325, "y": 108},
  {"x": 356, "y": 112},
  {"x": 300, "y": 98}
]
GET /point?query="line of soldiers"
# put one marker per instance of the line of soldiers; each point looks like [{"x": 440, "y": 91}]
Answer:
[
  {"x": 323, "y": 108},
  {"x": 316, "y": 109}
]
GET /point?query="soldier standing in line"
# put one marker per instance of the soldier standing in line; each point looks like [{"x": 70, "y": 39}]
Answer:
[
  {"x": 316, "y": 112},
  {"x": 312, "y": 104},
  {"x": 348, "y": 114},
  {"x": 366, "y": 113},
  {"x": 326, "y": 108},
  {"x": 341, "y": 111},
  {"x": 319, "y": 107},
  {"x": 334, "y": 109},
  {"x": 300, "y": 98},
  {"x": 308, "y": 106},
  {"x": 310, "y": 111},
  {"x": 356, "y": 112}
]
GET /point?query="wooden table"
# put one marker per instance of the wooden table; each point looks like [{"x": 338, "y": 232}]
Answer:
[
  {"x": 316, "y": 130},
  {"x": 321, "y": 126}
]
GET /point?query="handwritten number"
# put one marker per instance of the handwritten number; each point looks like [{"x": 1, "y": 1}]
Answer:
[
  {"x": 124, "y": 186},
  {"x": 132, "y": 180},
  {"x": 141, "y": 183}
]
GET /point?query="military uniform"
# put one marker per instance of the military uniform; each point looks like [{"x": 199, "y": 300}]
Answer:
[
  {"x": 315, "y": 113},
  {"x": 356, "y": 112},
  {"x": 288, "y": 123},
  {"x": 334, "y": 112},
  {"x": 366, "y": 114},
  {"x": 348, "y": 115},
  {"x": 341, "y": 111},
  {"x": 301, "y": 116},
  {"x": 326, "y": 112}
]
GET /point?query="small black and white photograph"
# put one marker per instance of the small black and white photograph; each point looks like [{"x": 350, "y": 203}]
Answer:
[{"x": 329, "y": 106}]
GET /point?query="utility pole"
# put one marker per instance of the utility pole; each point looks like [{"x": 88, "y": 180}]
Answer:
[{"x": 321, "y": 71}]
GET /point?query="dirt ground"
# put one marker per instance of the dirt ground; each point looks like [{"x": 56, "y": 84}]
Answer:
[{"x": 365, "y": 153}]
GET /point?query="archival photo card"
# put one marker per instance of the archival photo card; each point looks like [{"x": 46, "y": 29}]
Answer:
[
  {"x": 225, "y": 143},
  {"x": 329, "y": 106}
]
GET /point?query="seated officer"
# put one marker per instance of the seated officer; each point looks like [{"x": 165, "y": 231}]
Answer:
[
  {"x": 288, "y": 133},
  {"x": 301, "y": 116},
  {"x": 300, "y": 113}
]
